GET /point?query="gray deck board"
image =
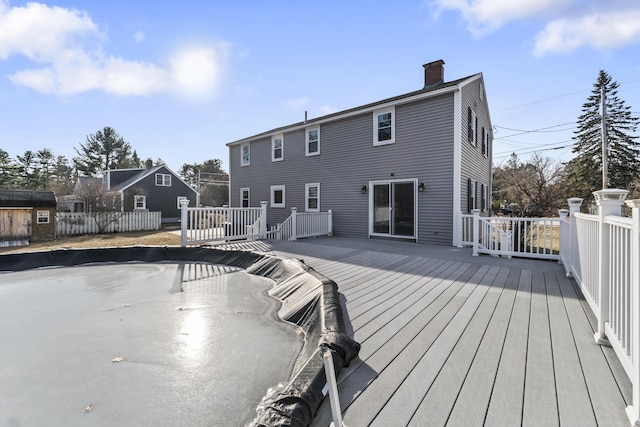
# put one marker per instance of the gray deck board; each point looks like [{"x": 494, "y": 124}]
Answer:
[{"x": 451, "y": 339}]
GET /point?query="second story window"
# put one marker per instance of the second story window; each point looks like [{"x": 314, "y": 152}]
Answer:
[
  {"x": 245, "y": 155},
  {"x": 163, "y": 180},
  {"x": 312, "y": 147},
  {"x": 472, "y": 127},
  {"x": 485, "y": 142},
  {"x": 384, "y": 127},
  {"x": 277, "y": 148}
]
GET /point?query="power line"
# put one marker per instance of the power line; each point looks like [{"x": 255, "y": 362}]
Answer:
[{"x": 540, "y": 130}]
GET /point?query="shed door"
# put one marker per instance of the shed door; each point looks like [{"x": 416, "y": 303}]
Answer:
[{"x": 15, "y": 224}]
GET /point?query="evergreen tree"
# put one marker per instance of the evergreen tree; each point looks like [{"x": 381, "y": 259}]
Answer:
[
  {"x": 103, "y": 150},
  {"x": 584, "y": 172},
  {"x": 8, "y": 171}
]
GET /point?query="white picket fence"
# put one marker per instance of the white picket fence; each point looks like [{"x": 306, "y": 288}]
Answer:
[{"x": 73, "y": 223}]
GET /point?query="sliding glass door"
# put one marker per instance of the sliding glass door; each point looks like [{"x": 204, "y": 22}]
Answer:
[{"x": 392, "y": 208}]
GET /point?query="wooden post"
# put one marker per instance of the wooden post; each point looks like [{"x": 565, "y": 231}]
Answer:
[
  {"x": 294, "y": 224},
  {"x": 330, "y": 222},
  {"x": 609, "y": 202},
  {"x": 476, "y": 231},
  {"x": 184, "y": 204},
  {"x": 633, "y": 411},
  {"x": 263, "y": 219}
]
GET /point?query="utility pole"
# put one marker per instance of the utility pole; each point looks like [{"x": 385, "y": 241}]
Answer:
[{"x": 605, "y": 162}]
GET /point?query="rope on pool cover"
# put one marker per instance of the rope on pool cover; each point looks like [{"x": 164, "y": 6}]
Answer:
[{"x": 309, "y": 300}]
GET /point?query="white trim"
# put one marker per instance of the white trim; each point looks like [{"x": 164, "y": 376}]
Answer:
[
  {"x": 248, "y": 190},
  {"x": 178, "y": 198},
  {"x": 242, "y": 158},
  {"x": 41, "y": 214},
  {"x": 306, "y": 197},
  {"x": 376, "y": 115},
  {"x": 473, "y": 130},
  {"x": 137, "y": 197},
  {"x": 164, "y": 179},
  {"x": 457, "y": 166},
  {"x": 415, "y": 208},
  {"x": 306, "y": 141},
  {"x": 275, "y": 188},
  {"x": 362, "y": 110},
  {"x": 274, "y": 139}
]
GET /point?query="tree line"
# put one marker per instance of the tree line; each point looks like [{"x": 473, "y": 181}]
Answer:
[
  {"x": 103, "y": 150},
  {"x": 540, "y": 186}
]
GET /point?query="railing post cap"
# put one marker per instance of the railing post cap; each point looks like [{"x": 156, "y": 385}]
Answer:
[
  {"x": 575, "y": 201},
  {"x": 475, "y": 211},
  {"x": 184, "y": 202},
  {"x": 264, "y": 203},
  {"x": 610, "y": 194},
  {"x": 563, "y": 211},
  {"x": 634, "y": 203}
]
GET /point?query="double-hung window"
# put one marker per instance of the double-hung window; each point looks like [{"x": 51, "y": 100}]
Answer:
[
  {"x": 384, "y": 122},
  {"x": 277, "y": 148},
  {"x": 485, "y": 142},
  {"x": 312, "y": 146},
  {"x": 139, "y": 202},
  {"x": 312, "y": 197},
  {"x": 472, "y": 127},
  {"x": 163, "y": 180},
  {"x": 245, "y": 194},
  {"x": 42, "y": 217},
  {"x": 471, "y": 194},
  {"x": 245, "y": 155},
  {"x": 278, "y": 196}
]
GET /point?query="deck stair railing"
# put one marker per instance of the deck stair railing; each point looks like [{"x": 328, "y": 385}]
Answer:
[
  {"x": 602, "y": 253},
  {"x": 303, "y": 224}
]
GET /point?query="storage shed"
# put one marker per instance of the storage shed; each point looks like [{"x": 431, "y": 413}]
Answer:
[{"x": 26, "y": 216}]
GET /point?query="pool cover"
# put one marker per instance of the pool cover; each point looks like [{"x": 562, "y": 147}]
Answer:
[{"x": 308, "y": 300}]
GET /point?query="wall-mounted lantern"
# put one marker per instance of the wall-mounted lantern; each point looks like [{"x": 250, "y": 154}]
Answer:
[
  {"x": 363, "y": 190},
  {"x": 421, "y": 187}
]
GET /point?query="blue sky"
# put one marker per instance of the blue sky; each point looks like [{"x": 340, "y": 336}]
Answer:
[{"x": 178, "y": 80}]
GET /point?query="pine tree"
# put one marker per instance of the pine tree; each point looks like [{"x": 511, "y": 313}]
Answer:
[
  {"x": 103, "y": 150},
  {"x": 584, "y": 172}
]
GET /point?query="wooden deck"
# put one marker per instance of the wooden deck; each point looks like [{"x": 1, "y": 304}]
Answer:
[{"x": 454, "y": 340}]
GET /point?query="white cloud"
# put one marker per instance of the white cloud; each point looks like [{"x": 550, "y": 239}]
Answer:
[
  {"x": 65, "y": 45},
  {"x": 599, "y": 31},
  {"x": 485, "y": 16}
]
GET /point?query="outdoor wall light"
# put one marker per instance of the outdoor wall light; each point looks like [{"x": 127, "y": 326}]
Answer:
[
  {"x": 421, "y": 187},
  {"x": 363, "y": 190}
]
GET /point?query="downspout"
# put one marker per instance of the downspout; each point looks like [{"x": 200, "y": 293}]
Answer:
[{"x": 457, "y": 167}]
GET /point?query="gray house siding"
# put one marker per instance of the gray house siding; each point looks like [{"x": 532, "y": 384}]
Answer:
[
  {"x": 348, "y": 160},
  {"x": 474, "y": 165},
  {"x": 160, "y": 198}
]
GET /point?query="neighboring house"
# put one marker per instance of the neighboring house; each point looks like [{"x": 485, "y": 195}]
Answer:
[
  {"x": 402, "y": 167},
  {"x": 154, "y": 188},
  {"x": 26, "y": 216}
]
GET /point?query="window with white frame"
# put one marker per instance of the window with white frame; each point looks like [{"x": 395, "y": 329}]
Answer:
[
  {"x": 277, "y": 148},
  {"x": 485, "y": 142},
  {"x": 471, "y": 194},
  {"x": 277, "y": 196},
  {"x": 245, "y": 194},
  {"x": 312, "y": 146},
  {"x": 179, "y": 199},
  {"x": 163, "y": 180},
  {"x": 42, "y": 217},
  {"x": 245, "y": 155},
  {"x": 472, "y": 127},
  {"x": 384, "y": 126},
  {"x": 139, "y": 202},
  {"x": 312, "y": 197},
  {"x": 483, "y": 197}
]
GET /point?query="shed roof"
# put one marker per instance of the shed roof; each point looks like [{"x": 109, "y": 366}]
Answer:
[{"x": 27, "y": 198}]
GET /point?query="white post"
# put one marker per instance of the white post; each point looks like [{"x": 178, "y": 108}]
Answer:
[
  {"x": 476, "y": 231},
  {"x": 294, "y": 224},
  {"x": 633, "y": 411},
  {"x": 184, "y": 204},
  {"x": 334, "y": 398},
  {"x": 458, "y": 226},
  {"x": 330, "y": 222},
  {"x": 565, "y": 241},
  {"x": 574, "y": 206},
  {"x": 263, "y": 220},
  {"x": 609, "y": 202}
]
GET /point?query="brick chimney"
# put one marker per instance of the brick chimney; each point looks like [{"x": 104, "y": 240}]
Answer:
[
  {"x": 433, "y": 73},
  {"x": 149, "y": 163}
]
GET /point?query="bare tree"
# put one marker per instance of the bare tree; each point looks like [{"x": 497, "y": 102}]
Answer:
[{"x": 104, "y": 207}]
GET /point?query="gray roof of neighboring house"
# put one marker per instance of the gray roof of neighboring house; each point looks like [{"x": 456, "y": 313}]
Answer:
[
  {"x": 27, "y": 198},
  {"x": 427, "y": 89},
  {"x": 143, "y": 173}
]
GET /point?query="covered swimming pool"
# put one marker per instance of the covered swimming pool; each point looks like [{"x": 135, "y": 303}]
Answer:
[{"x": 164, "y": 336}]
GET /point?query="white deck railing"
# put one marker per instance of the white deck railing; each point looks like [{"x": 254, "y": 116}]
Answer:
[
  {"x": 304, "y": 224},
  {"x": 602, "y": 253},
  {"x": 202, "y": 225}
]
